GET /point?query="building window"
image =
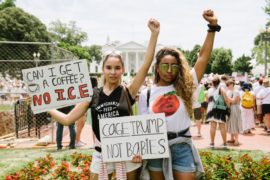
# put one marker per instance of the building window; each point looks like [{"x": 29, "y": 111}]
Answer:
[{"x": 96, "y": 69}]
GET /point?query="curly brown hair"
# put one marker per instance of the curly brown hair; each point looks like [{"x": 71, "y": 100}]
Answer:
[{"x": 183, "y": 83}]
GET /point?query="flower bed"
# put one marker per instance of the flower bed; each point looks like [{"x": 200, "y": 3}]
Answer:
[
  {"x": 229, "y": 167},
  {"x": 46, "y": 168},
  {"x": 216, "y": 165}
]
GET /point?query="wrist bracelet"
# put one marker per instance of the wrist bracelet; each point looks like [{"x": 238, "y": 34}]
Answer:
[{"x": 213, "y": 28}]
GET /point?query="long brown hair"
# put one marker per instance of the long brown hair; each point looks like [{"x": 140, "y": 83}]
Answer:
[
  {"x": 183, "y": 82},
  {"x": 112, "y": 54}
]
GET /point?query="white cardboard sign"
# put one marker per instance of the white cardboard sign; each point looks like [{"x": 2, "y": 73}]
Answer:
[
  {"x": 124, "y": 137},
  {"x": 58, "y": 85}
]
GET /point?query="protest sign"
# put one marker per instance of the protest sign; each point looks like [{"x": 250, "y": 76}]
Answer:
[
  {"x": 58, "y": 85},
  {"x": 124, "y": 137}
]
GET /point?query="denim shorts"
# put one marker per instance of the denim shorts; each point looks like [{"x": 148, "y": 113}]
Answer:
[{"x": 182, "y": 159}]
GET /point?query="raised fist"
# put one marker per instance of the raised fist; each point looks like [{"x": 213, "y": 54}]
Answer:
[
  {"x": 154, "y": 25},
  {"x": 210, "y": 17}
]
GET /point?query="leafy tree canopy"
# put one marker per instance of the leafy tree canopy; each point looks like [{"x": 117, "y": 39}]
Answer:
[
  {"x": 222, "y": 61},
  {"x": 242, "y": 64},
  {"x": 67, "y": 33},
  {"x": 17, "y": 25},
  {"x": 7, "y": 3}
]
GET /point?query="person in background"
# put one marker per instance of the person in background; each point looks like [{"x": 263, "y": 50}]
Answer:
[
  {"x": 204, "y": 103},
  {"x": 217, "y": 113},
  {"x": 247, "y": 108},
  {"x": 59, "y": 130},
  {"x": 223, "y": 80},
  {"x": 197, "y": 113},
  {"x": 257, "y": 88},
  {"x": 264, "y": 96},
  {"x": 234, "y": 123}
]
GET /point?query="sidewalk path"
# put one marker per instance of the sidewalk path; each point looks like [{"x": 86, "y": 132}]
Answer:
[{"x": 258, "y": 140}]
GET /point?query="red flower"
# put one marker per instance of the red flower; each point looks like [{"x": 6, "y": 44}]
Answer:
[{"x": 8, "y": 178}]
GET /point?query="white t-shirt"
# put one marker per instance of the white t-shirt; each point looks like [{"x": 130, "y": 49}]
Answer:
[
  {"x": 257, "y": 89},
  {"x": 196, "y": 93},
  {"x": 163, "y": 99},
  {"x": 264, "y": 95}
]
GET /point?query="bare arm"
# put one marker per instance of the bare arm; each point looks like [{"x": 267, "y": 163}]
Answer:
[
  {"x": 66, "y": 119},
  {"x": 207, "y": 47},
  {"x": 234, "y": 100},
  {"x": 140, "y": 76}
]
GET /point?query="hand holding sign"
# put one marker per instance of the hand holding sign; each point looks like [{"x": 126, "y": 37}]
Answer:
[
  {"x": 58, "y": 85},
  {"x": 134, "y": 137}
]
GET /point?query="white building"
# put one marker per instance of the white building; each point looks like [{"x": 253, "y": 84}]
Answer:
[{"x": 132, "y": 52}]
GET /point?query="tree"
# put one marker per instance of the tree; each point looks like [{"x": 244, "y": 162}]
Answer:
[
  {"x": 67, "y": 33},
  {"x": 7, "y": 3},
  {"x": 242, "y": 64},
  {"x": 70, "y": 37},
  {"x": 192, "y": 56},
  {"x": 261, "y": 49},
  {"x": 222, "y": 62},
  {"x": 17, "y": 25},
  {"x": 77, "y": 50},
  {"x": 95, "y": 53}
]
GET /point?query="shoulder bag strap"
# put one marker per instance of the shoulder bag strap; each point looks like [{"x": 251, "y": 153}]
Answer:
[
  {"x": 128, "y": 100},
  {"x": 148, "y": 95}
]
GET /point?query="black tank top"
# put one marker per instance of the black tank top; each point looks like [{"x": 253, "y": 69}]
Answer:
[{"x": 114, "y": 105}]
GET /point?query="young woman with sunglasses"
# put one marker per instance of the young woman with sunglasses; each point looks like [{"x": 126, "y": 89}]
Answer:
[
  {"x": 112, "y": 96},
  {"x": 171, "y": 94}
]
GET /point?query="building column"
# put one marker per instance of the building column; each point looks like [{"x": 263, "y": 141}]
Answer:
[
  {"x": 137, "y": 62},
  {"x": 126, "y": 63}
]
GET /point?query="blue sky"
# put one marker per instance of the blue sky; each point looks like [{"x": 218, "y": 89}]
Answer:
[{"x": 181, "y": 20}]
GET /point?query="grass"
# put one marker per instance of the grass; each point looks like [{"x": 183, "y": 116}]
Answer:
[
  {"x": 6, "y": 108},
  {"x": 12, "y": 160}
]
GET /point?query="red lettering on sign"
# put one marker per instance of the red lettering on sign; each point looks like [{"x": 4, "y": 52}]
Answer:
[
  {"x": 70, "y": 96},
  {"x": 60, "y": 94},
  {"x": 37, "y": 100},
  {"x": 47, "y": 98},
  {"x": 83, "y": 92}
]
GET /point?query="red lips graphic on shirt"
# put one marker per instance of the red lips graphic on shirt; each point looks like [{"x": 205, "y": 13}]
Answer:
[{"x": 167, "y": 103}]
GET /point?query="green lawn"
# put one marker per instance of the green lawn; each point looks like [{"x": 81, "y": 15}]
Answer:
[
  {"x": 12, "y": 160},
  {"x": 6, "y": 108}
]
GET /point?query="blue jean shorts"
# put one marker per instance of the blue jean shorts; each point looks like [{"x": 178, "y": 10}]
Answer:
[{"x": 182, "y": 159}]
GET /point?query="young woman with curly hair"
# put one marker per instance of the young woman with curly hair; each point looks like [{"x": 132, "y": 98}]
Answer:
[{"x": 172, "y": 94}]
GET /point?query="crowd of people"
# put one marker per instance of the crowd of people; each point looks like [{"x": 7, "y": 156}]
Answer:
[
  {"x": 11, "y": 89},
  {"x": 236, "y": 106}
]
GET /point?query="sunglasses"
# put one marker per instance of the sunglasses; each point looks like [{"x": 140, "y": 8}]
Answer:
[
  {"x": 116, "y": 52},
  {"x": 165, "y": 68}
]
